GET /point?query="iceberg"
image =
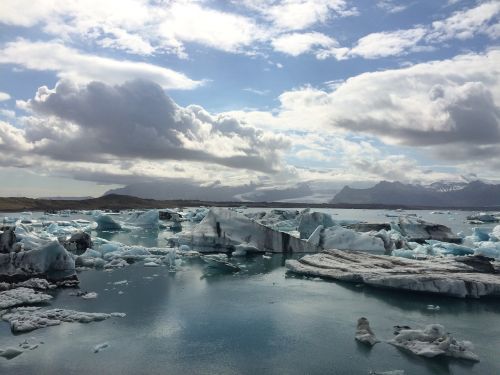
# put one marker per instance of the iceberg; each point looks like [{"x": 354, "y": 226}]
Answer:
[
  {"x": 25, "y": 264},
  {"x": 7, "y": 239},
  {"x": 468, "y": 276},
  {"x": 483, "y": 217},
  {"x": 495, "y": 234},
  {"x": 106, "y": 223},
  {"x": 309, "y": 221},
  {"x": 418, "y": 230},
  {"x": 340, "y": 238},
  {"x": 78, "y": 243},
  {"x": 433, "y": 341},
  {"x": 146, "y": 220},
  {"x": 364, "y": 333},
  {"x": 24, "y": 319},
  {"x": 22, "y": 296},
  {"x": 223, "y": 229}
]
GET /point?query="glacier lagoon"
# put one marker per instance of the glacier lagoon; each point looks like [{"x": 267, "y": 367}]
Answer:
[{"x": 259, "y": 320}]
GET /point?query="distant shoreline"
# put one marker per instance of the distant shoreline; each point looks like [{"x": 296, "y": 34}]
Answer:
[{"x": 122, "y": 202}]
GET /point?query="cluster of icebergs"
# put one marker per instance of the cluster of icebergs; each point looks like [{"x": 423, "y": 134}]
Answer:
[{"x": 37, "y": 256}]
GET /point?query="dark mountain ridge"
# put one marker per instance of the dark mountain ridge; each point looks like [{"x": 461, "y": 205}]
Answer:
[{"x": 472, "y": 194}]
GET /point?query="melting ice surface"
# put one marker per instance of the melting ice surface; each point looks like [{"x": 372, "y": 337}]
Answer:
[{"x": 258, "y": 320}]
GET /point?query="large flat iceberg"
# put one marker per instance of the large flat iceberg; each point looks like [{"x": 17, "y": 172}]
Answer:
[{"x": 454, "y": 276}]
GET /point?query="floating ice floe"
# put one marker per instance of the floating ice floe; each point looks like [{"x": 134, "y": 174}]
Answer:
[
  {"x": 33, "y": 283},
  {"x": 22, "y": 296},
  {"x": 99, "y": 347},
  {"x": 51, "y": 257},
  {"x": 483, "y": 217},
  {"x": 309, "y": 221},
  {"x": 337, "y": 237},
  {"x": 277, "y": 219},
  {"x": 223, "y": 229},
  {"x": 469, "y": 276},
  {"x": 195, "y": 216},
  {"x": 364, "y": 333},
  {"x": 7, "y": 239},
  {"x": 89, "y": 295},
  {"x": 147, "y": 220},
  {"x": 24, "y": 319},
  {"x": 106, "y": 223},
  {"x": 433, "y": 341}
]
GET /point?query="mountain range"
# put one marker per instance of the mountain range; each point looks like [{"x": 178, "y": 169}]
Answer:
[{"x": 441, "y": 194}]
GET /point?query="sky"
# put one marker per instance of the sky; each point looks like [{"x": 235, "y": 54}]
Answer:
[{"x": 96, "y": 95}]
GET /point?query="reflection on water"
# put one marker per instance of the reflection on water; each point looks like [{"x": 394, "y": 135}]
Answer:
[{"x": 256, "y": 321}]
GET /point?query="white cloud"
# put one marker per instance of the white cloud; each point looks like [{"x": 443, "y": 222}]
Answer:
[
  {"x": 136, "y": 26},
  {"x": 450, "y": 105},
  {"x": 389, "y": 43},
  {"x": 482, "y": 19},
  {"x": 391, "y": 6},
  {"x": 288, "y": 15},
  {"x": 189, "y": 22},
  {"x": 298, "y": 43},
  {"x": 4, "y": 96},
  {"x": 77, "y": 66},
  {"x": 467, "y": 23}
]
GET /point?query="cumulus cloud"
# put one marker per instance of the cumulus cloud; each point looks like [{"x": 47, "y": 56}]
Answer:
[
  {"x": 451, "y": 104},
  {"x": 72, "y": 64},
  {"x": 384, "y": 44},
  {"x": 464, "y": 24},
  {"x": 4, "y": 96},
  {"x": 136, "y": 26},
  {"x": 298, "y": 43},
  {"x": 300, "y": 14},
  {"x": 96, "y": 122}
]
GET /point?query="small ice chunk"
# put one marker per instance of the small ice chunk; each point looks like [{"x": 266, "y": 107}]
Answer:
[
  {"x": 118, "y": 315},
  {"x": 100, "y": 347},
  {"x": 433, "y": 307},
  {"x": 364, "y": 333},
  {"x": 90, "y": 295},
  {"x": 151, "y": 264},
  {"x": 121, "y": 282}
]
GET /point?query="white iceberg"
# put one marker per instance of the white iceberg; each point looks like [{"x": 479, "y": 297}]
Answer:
[
  {"x": 433, "y": 341},
  {"x": 22, "y": 296},
  {"x": 461, "y": 277},
  {"x": 24, "y": 319},
  {"x": 147, "y": 220},
  {"x": 337, "y": 237}
]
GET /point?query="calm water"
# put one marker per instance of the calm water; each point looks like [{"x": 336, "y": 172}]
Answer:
[{"x": 256, "y": 322}]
